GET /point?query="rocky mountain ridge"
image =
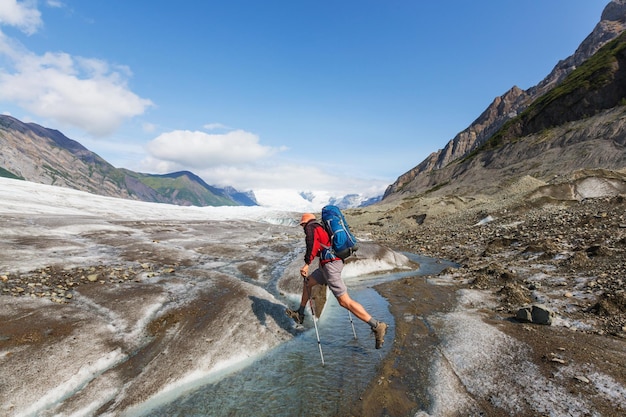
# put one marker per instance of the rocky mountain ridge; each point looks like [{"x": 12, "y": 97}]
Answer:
[
  {"x": 34, "y": 153},
  {"x": 579, "y": 124},
  {"x": 512, "y": 103}
]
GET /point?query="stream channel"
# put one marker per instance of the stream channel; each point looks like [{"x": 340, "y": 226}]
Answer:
[{"x": 290, "y": 380}]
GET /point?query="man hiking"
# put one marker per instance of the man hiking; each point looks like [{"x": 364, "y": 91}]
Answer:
[{"x": 329, "y": 273}]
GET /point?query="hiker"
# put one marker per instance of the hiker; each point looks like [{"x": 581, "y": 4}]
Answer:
[{"x": 329, "y": 273}]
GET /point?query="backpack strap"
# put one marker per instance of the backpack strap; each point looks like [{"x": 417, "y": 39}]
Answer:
[{"x": 327, "y": 253}]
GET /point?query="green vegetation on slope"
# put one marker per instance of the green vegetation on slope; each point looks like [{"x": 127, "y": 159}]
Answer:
[
  {"x": 8, "y": 174},
  {"x": 598, "y": 84},
  {"x": 182, "y": 189}
]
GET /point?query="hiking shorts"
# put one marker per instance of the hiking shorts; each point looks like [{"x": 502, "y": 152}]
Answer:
[{"x": 330, "y": 274}]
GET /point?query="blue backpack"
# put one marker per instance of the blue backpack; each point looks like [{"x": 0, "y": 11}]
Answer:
[{"x": 342, "y": 240}]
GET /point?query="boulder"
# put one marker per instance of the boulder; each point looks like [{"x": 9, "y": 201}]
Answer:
[{"x": 536, "y": 313}]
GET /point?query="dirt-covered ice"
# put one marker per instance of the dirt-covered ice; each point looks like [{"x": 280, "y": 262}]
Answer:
[{"x": 109, "y": 303}]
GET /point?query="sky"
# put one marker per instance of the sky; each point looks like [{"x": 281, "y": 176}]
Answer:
[{"x": 334, "y": 96}]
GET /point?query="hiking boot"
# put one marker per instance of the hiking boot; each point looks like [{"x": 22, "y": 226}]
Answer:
[
  {"x": 379, "y": 332},
  {"x": 297, "y": 317}
]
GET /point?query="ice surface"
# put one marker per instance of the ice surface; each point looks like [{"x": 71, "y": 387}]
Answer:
[
  {"x": 479, "y": 361},
  {"x": 118, "y": 346},
  {"x": 206, "y": 295},
  {"x": 22, "y": 197}
]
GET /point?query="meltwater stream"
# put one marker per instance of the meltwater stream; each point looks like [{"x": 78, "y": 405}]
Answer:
[{"x": 290, "y": 380}]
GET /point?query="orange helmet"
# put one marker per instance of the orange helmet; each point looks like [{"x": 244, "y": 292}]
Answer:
[{"x": 306, "y": 217}]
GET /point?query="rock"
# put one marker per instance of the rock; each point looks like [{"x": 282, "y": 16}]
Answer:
[
  {"x": 536, "y": 313},
  {"x": 419, "y": 218},
  {"x": 597, "y": 250},
  {"x": 484, "y": 221}
]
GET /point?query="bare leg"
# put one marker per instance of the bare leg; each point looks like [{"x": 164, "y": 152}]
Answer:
[{"x": 354, "y": 307}]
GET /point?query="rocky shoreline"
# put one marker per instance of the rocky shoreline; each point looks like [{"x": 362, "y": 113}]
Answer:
[
  {"x": 58, "y": 284},
  {"x": 565, "y": 255}
]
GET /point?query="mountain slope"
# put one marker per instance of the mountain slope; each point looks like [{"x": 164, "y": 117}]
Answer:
[
  {"x": 579, "y": 124},
  {"x": 514, "y": 102},
  {"x": 598, "y": 84},
  {"x": 185, "y": 187},
  {"x": 38, "y": 154}
]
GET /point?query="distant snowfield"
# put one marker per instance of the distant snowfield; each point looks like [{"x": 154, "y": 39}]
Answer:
[
  {"x": 22, "y": 197},
  {"x": 291, "y": 199}
]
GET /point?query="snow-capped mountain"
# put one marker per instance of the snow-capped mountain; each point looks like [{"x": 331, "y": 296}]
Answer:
[{"x": 312, "y": 201}]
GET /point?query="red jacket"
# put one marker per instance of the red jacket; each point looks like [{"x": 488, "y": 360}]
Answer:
[{"x": 317, "y": 244}]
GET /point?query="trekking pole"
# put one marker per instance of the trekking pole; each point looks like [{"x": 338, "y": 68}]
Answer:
[
  {"x": 352, "y": 323},
  {"x": 317, "y": 333}
]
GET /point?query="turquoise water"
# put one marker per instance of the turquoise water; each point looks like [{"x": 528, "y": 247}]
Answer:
[{"x": 290, "y": 380}]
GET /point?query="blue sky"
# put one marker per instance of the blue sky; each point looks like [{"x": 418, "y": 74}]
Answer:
[{"x": 340, "y": 96}]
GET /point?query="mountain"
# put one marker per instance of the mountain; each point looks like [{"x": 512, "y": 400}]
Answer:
[
  {"x": 510, "y": 106},
  {"x": 579, "y": 124},
  {"x": 353, "y": 201},
  {"x": 34, "y": 153},
  {"x": 185, "y": 188}
]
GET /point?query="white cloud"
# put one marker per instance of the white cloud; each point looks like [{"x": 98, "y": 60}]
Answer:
[
  {"x": 148, "y": 127},
  {"x": 157, "y": 166},
  {"x": 93, "y": 95},
  {"x": 55, "y": 4},
  {"x": 202, "y": 150},
  {"x": 215, "y": 126},
  {"x": 270, "y": 176},
  {"x": 237, "y": 159},
  {"x": 85, "y": 93},
  {"x": 21, "y": 15},
  {"x": 74, "y": 91}
]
